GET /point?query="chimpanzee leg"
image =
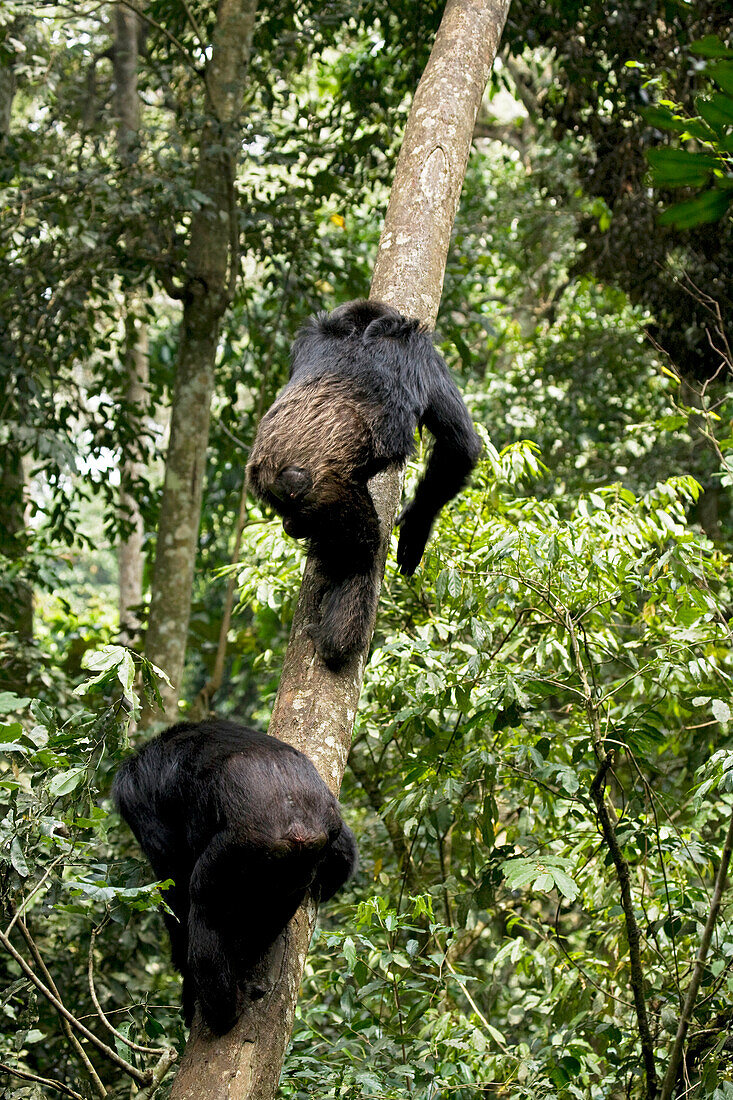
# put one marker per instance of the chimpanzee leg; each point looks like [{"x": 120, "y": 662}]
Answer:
[
  {"x": 240, "y": 902},
  {"x": 209, "y": 954},
  {"x": 346, "y": 547},
  {"x": 347, "y": 614}
]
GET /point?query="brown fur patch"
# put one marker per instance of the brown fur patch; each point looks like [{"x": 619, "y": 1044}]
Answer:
[{"x": 318, "y": 425}]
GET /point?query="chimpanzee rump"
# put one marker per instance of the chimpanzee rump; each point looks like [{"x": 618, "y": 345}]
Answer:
[
  {"x": 245, "y": 826},
  {"x": 361, "y": 380}
]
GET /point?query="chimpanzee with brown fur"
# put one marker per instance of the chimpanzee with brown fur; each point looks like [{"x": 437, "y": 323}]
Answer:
[
  {"x": 245, "y": 826},
  {"x": 361, "y": 380}
]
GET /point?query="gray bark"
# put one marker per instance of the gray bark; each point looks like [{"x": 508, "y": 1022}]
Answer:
[
  {"x": 130, "y": 560},
  {"x": 17, "y": 611},
  {"x": 8, "y": 86},
  {"x": 315, "y": 708},
  {"x": 210, "y": 271},
  {"x": 130, "y": 555},
  {"x": 127, "y": 31}
]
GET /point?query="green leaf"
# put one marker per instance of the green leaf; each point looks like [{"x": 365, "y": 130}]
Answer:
[
  {"x": 66, "y": 782},
  {"x": 349, "y": 950},
  {"x": 680, "y": 168},
  {"x": 721, "y": 711},
  {"x": 722, "y": 74},
  {"x": 102, "y": 660},
  {"x": 567, "y": 887},
  {"x": 126, "y": 672},
  {"x": 519, "y": 872},
  {"x": 11, "y": 703},
  {"x": 454, "y": 583},
  {"x": 10, "y": 732},
  {"x": 664, "y": 119},
  {"x": 17, "y": 858},
  {"x": 710, "y": 46},
  {"x": 708, "y": 207},
  {"x": 717, "y": 110}
]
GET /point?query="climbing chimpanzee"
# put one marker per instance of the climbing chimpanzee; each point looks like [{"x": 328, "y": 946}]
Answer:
[
  {"x": 361, "y": 380},
  {"x": 245, "y": 826}
]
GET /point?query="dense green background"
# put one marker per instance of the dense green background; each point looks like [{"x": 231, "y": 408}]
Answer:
[{"x": 575, "y": 600}]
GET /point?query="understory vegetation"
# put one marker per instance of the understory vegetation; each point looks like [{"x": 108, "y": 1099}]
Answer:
[{"x": 541, "y": 776}]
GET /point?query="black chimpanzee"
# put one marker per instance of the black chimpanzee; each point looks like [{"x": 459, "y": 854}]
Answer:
[
  {"x": 245, "y": 826},
  {"x": 361, "y": 380}
]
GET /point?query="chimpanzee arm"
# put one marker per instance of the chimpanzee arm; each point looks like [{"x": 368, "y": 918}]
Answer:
[{"x": 453, "y": 456}]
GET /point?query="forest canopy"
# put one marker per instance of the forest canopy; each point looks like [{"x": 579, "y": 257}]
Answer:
[{"x": 541, "y": 773}]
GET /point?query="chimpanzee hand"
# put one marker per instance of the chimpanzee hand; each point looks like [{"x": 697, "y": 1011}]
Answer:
[{"x": 415, "y": 527}]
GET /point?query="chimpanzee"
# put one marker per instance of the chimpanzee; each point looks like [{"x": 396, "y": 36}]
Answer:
[
  {"x": 361, "y": 380},
  {"x": 245, "y": 826}
]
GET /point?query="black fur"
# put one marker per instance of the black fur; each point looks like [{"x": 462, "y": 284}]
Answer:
[
  {"x": 245, "y": 826},
  {"x": 362, "y": 379}
]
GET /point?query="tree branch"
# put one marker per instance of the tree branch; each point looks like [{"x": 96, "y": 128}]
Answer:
[
  {"x": 65, "y": 1026},
  {"x": 633, "y": 937},
  {"x": 597, "y": 793},
  {"x": 112, "y": 1055},
  {"x": 159, "y": 1051},
  {"x": 400, "y": 845},
  {"x": 693, "y": 989},
  {"x": 24, "y": 1075}
]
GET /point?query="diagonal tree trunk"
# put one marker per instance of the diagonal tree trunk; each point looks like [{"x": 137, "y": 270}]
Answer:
[
  {"x": 315, "y": 708},
  {"x": 211, "y": 267}
]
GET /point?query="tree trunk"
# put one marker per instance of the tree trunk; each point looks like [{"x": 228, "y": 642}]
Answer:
[
  {"x": 211, "y": 268},
  {"x": 130, "y": 556},
  {"x": 127, "y": 32},
  {"x": 315, "y": 708},
  {"x": 16, "y": 613}
]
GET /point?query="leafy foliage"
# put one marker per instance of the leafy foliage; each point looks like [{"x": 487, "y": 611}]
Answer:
[
  {"x": 572, "y": 613},
  {"x": 708, "y": 163}
]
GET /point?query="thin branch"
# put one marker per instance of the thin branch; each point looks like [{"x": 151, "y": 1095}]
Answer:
[
  {"x": 201, "y": 704},
  {"x": 670, "y": 1076},
  {"x": 657, "y": 834},
  {"x": 400, "y": 846},
  {"x": 597, "y": 792},
  {"x": 112, "y": 1055},
  {"x": 464, "y": 989},
  {"x": 159, "y": 1051},
  {"x": 19, "y": 911},
  {"x": 167, "y": 1058},
  {"x": 65, "y": 1026},
  {"x": 194, "y": 25},
  {"x": 24, "y": 1075},
  {"x": 597, "y": 789}
]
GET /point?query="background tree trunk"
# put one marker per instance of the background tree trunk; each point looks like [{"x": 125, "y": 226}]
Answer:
[
  {"x": 210, "y": 272},
  {"x": 315, "y": 709},
  {"x": 130, "y": 559},
  {"x": 130, "y": 553},
  {"x": 17, "y": 604}
]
